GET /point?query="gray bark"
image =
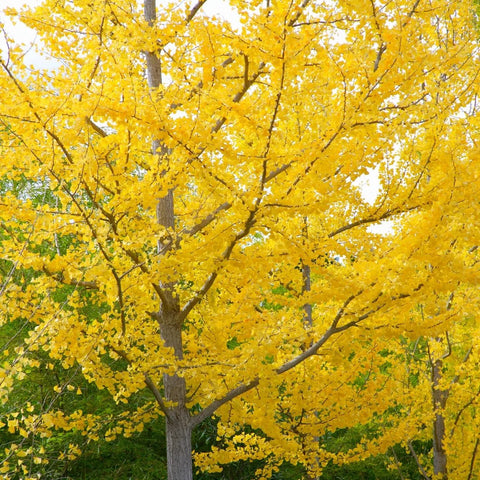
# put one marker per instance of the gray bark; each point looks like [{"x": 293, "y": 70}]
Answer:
[
  {"x": 307, "y": 308},
  {"x": 178, "y": 420},
  {"x": 440, "y": 398},
  {"x": 308, "y": 313},
  {"x": 179, "y": 446}
]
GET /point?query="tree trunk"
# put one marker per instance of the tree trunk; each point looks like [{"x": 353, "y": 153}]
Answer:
[
  {"x": 439, "y": 402},
  {"x": 308, "y": 318},
  {"x": 179, "y": 445},
  {"x": 178, "y": 419}
]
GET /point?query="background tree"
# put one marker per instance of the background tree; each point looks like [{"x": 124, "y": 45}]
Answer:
[
  {"x": 184, "y": 205},
  {"x": 444, "y": 370}
]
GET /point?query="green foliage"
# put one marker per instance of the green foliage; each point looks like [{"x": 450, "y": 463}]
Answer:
[
  {"x": 141, "y": 457},
  {"x": 396, "y": 464}
]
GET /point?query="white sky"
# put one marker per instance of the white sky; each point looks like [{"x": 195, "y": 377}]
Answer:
[{"x": 21, "y": 34}]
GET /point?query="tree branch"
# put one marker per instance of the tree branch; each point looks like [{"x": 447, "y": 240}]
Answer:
[
  {"x": 95, "y": 127},
  {"x": 58, "y": 276},
  {"x": 472, "y": 461},
  {"x": 397, "y": 464},
  {"x": 227, "y": 205},
  {"x": 210, "y": 410},
  {"x": 381, "y": 51},
  {"x": 156, "y": 394},
  {"x": 198, "y": 296},
  {"x": 208, "y": 219},
  {"x": 465, "y": 406},
  {"x": 241, "y": 389},
  {"x": 148, "y": 381},
  {"x": 365, "y": 221},
  {"x": 238, "y": 96},
  {"x": 194, "y": 10},
  {"x": 298, "y": 14},
  {"x": 276, "y": 172},
  {"x": 212, "y": 277},
  {"x": 417, "y": 461},
  {"x": 412, "y": 11}
]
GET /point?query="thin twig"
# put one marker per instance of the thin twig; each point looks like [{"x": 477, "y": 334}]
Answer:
[{"x": 417, "y": 461}]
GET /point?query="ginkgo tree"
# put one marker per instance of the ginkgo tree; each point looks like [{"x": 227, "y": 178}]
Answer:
[
  {"x": 206, "y": 181},
  {"x": 441, "y": 374}
]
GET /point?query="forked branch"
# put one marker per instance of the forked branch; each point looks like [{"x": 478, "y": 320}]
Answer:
[{"x": 241, "y": 389}]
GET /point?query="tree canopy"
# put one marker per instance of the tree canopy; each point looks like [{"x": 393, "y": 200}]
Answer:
[{"x": 184, "y": 221}]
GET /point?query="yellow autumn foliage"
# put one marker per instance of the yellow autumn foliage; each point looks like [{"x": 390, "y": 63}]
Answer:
[{"x": 271, "y": 291}]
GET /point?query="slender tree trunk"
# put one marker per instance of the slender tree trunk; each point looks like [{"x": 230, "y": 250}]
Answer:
[
  {"x": 308, "y": 315},
  {"x": 307, "y": 308},
  {"x": 439, "y": 402},
  {"x": 439, "y": 398},
  {"x": 178, "y": 419}
]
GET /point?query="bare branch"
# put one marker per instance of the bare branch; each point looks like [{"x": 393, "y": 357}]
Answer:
[
  {"x": 472, "y": 461},
  {"x": 210, "y": 410},
  {"x": 208, "y": 219},
  {"x": 417, "y": 461},
  {"x": 95, "y": 127},
  {"x": 381, "y": 51},
  {"x": 373, "y": 219},
  {"x": 276, "y": 172},
  {"x": 58, "y": 276},
  {"x": 198, "y": 296},
  {"x": 298, "y": 14},
  {"x": 156, "y": 394},
  {"x": 194, "y": 10}
]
